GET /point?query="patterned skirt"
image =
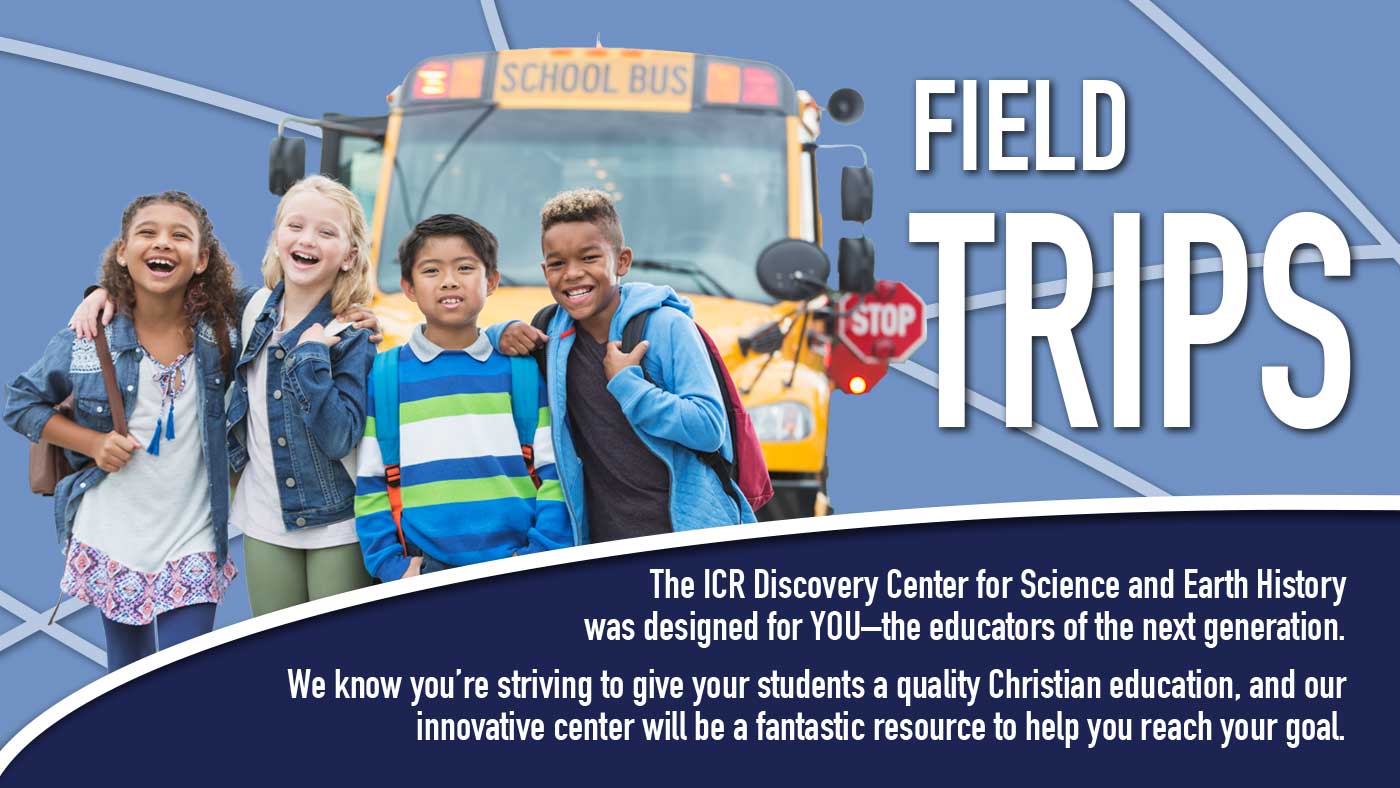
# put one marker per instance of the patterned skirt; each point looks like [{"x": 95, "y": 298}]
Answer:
[{"x": 128, "y": 596}]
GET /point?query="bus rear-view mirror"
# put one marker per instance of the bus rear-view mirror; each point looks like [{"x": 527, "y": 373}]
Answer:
[
  {"x": 855, "y": 265},
  {"x": 286, "y": 163},
  {"x": 793, "y": 270},
  {"x": 857, "y": 193}
]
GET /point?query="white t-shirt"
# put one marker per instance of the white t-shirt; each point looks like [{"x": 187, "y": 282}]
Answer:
[
  {"x": 257, "y": 505},
  {"x": 156, "y": 508}
]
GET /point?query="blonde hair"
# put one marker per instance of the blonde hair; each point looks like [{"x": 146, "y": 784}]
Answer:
[
  {"x": 351, "y": 287},
  {"x": 583, "y": 205}
]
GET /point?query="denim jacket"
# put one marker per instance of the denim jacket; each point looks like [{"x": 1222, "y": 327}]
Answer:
[
  {"x": 70, "y": 366},
  {"x": 316, "y": 403}
]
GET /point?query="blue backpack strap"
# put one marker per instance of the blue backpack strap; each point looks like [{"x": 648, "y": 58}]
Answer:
[
  {"x": 525, "y": 397},
  {"x": 386, "y": 405},
  {"x": 525, "y": 407},
  {"x": 386, "y": 432}
]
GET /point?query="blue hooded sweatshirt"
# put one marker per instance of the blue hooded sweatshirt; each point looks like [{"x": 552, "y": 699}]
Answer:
[{"x": 681, "y": 414}]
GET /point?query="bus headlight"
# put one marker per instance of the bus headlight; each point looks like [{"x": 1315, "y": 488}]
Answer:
[{"x": 781, "y": 421}]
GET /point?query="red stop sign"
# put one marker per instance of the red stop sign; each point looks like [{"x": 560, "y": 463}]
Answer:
[{"x": 884, "y": 325}]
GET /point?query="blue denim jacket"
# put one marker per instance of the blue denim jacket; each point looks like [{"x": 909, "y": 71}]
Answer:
[
  {"x": 316, "y": 402},
  {"x": 70, "y": 365}
]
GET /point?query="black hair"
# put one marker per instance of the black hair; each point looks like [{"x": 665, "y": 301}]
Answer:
[
  {"x": 481, "y": 240},
  {"x": 583, "y": 205}
]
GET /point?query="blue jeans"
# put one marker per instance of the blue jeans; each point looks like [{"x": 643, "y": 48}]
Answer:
[
  {"x": 127, "y": 643},
  {"x": 431, "y": 564}
]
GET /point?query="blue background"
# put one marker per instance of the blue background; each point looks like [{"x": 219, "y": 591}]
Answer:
[{"x": 77, "y": 147}]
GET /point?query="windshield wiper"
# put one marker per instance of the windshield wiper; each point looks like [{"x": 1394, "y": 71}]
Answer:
[
  {"x": 701, "y": 276},
  {"x": 442, "y": 165}
]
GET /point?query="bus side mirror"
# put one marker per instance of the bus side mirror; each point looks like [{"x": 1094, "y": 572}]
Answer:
[
  {"x": 793, "y": 270},
  {"x": 286, "y": 163},
  {"x": 857, "y": 193},
  {"x": 855, "y": 265}
]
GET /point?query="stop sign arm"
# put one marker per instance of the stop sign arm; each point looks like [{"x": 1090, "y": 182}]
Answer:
[{"x": 886, "y": 324}]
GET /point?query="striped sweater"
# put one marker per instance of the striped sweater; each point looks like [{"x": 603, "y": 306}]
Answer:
[{"x": 467, "y": 496}]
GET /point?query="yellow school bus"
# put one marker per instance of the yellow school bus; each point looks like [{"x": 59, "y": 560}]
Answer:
[{"x": 708, "y": 159}]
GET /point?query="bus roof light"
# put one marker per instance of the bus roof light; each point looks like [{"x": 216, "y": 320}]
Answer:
[
  {"x": 466, "y": 78},
  {"x": 722, "y": 84},
  {"x": 431, "y": 80},
  {"x": 760, "y": 86}
]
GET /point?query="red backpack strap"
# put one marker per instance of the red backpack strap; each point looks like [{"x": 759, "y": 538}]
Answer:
[
  {"x": 749, "y": 470},
  {"x": 632, "y": 334},
  {"x": 391, "y": 484}
]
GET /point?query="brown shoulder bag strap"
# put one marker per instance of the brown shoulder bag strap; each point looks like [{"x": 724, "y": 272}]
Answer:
[
  {"x": 109, "y": 378},
  {"x": 114, "y": 401}
]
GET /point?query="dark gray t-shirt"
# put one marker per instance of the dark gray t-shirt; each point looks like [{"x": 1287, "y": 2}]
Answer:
[{"x": 627, "y": 487}]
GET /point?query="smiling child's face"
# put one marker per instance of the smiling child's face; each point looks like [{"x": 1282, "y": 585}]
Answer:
[
  {"x": 312, "y": 241},
  {"x": 450, "y": 282},
  {"x": 582, "y": 268},
  {"x": 161, "y": 249}
]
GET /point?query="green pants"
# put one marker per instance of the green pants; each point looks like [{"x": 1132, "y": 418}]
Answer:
[{"x": 280, "y": 577}]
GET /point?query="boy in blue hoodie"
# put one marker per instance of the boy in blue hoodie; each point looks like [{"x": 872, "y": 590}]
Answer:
[{"x": 626, "y": 441}]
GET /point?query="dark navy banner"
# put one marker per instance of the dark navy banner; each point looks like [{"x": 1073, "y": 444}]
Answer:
[{"x": 1000, "y": 652}]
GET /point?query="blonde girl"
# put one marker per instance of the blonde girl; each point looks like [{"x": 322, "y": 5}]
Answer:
[{"x": 298, "y": 405}]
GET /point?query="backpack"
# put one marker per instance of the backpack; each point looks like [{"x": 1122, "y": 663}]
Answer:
[
  {"x": 748, "y": 474},
  {"x": 47, "y": 462},
  {"x": 524, "y": 409}
]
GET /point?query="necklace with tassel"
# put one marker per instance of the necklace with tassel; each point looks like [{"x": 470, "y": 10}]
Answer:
[{"x": 171, "y": 382}]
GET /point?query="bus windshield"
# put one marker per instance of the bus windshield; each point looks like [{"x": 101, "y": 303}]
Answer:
[{"x": 700, "y": 194}]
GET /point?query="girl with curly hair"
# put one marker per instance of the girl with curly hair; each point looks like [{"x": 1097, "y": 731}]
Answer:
[{"x": 144, "y": 518}]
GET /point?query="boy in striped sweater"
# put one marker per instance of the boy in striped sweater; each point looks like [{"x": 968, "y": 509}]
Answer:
[{"x": 466, "y": 489}]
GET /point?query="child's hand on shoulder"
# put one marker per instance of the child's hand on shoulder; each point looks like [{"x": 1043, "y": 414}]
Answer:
[
  {"x": 415, "y": 567},
  {"x": 317, "y": 333},
  {"x": 361, "y": 317},
  {"x": 521, "y": 339},
  {"x": 113, "y": 451},
  {"x": 616, "y": 361},
  {"x": 96, "y": 309}
]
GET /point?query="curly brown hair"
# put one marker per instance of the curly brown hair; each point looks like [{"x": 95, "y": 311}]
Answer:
[{"x": 210, "y": 295}]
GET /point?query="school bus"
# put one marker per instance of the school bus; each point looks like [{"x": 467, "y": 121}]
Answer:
[{"x": 708, "y": 159}]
